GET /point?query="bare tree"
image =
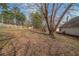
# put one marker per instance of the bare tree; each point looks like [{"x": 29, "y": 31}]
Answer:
[{"x": 55, "y": 8}]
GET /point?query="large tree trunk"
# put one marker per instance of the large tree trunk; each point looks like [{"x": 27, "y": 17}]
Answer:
[
  {"x": 51, "y": 33},
  {"x": 47, "y": 20}
]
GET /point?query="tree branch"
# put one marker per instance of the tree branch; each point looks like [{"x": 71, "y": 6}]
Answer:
[{"x": 60, "y": 19}]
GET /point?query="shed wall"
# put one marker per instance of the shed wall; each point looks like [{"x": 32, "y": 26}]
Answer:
[{"x": 71, "y": 31}]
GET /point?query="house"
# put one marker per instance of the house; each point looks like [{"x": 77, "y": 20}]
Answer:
[{"x": 71, "y": 27}]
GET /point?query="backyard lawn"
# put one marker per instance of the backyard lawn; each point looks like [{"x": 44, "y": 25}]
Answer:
[{"x": 24, "y": 42}]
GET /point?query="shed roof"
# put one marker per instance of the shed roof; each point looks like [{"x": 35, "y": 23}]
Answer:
[{"x": 74, "y": 22}]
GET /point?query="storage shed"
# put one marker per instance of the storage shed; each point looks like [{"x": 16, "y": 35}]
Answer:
[{"x": 71, "y": 27}]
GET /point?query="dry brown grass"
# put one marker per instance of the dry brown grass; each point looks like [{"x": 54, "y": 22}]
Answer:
[{"x": 25, "y": 42}]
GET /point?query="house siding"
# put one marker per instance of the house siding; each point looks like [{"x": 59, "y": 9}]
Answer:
[{"x": 71, "y": 31}]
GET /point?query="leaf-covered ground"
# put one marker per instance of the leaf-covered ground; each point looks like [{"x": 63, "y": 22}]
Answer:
[{"x": 25, "y": 42}]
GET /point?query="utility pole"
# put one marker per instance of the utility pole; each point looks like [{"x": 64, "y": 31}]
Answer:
[
  {"x": 2, "y": 20},
  {"x": 67, "y": 19},
  {"x": 14, "y": 20}
]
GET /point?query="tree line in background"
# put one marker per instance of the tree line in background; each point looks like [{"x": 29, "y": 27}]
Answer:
[
  {"x": 11, "y": 16},
  {"x": 36, "y": 19}
]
